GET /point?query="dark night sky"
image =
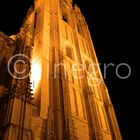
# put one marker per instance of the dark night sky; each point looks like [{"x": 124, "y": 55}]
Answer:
[{"x": 112, "y": 25}]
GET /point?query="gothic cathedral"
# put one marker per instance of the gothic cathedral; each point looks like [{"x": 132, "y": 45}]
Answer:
[{"x": 51, "y": 86}]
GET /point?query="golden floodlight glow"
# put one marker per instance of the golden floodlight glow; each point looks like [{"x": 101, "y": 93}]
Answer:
[{"x": 35, "y": 74}]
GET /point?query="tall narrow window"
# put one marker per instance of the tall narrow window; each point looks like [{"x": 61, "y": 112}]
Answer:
[
  {"x": 69, "y": 52},
  {"x": 64, "y": 17},
  {"x": 87, "y": 64},
  {"x": 75, "y": 99},
  {"x": 80, "y": 105},
  {"x": 83, "y": 44},
  {"x": 65, "y": 14},
  {"x": 35, "y": 20},
  {"x": 73, "y": 102},
  {"x": 79, "y": 28}
]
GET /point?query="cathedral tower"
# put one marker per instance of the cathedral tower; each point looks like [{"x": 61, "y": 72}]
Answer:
[{"x": 61, "y": 95}]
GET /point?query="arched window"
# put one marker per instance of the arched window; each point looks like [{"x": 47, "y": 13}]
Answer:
[
  {"x": 69, "y": 52},
  {"x": 79, "y": 28},
  {"x": 65, "y": 16}
]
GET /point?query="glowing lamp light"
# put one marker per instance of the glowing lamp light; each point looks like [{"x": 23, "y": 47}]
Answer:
[{"x": 36, "y": 74}]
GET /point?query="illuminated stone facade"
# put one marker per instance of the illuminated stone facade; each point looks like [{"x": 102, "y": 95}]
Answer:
[{"x": 69, "y": 100}]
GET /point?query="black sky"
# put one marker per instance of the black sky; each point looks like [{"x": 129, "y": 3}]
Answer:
[{"x": 113, "y": 25}]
